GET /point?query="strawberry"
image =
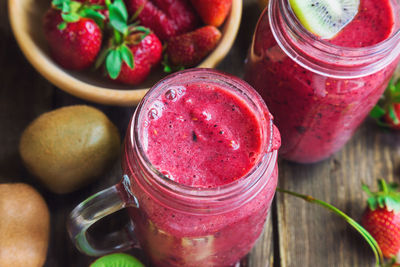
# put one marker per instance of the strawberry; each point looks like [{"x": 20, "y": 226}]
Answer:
[
  {"x": 382, "y": 217},
  {"x": 189, "y": 49},
  {"x": 387, "y": 111},
  {"x": 146, "y": 54},
  {"x": 75, "y": 46},
  {"x": 213, "y": 12},
  {"x": 132, "y": 51},
  {"x": 166, "y": 18}
]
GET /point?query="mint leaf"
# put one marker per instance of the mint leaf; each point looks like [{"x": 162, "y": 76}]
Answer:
[
  {"x": 113, "y": 63},
  {"x": 127, "y": 56}
]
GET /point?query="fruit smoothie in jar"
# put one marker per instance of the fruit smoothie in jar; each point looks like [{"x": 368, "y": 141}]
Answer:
[
  {"x": 320, "y": 89},
  {"x": 201, "y": 156}
]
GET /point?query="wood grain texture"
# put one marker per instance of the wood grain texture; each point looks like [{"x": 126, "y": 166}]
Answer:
[
  {"x": 322, "y": 238},
  {"x": 297, "y": 234}
]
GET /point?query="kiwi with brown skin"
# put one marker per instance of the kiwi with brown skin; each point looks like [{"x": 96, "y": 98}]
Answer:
[
  {"x": 24, "y": 226},
  {"x": 68, "y": 147}
]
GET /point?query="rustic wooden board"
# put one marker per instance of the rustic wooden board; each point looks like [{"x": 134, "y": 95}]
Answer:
[
  {"x": 297, "y": 233},
  {"x": 311, "y": 236}
]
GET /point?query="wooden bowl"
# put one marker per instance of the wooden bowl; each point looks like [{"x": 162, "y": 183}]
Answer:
[{"x": 26, "y": 18}]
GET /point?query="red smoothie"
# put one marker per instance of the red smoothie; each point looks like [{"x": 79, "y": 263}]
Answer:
[
  {"x": 208, "y": 139},
  {"x": 318, "y": 104}
]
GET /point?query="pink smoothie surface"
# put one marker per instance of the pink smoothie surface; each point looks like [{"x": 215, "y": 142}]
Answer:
[
  {"x": 205, "y": 136},
  {"x": 316, "y": 114}
]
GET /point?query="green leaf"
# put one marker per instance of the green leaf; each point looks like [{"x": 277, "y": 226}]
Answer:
[
  {"x": 366, "y": 190},
  {"x": 62, "y": 25},
  {"x": 127, "y": 56},
  {"x": 392, "y": 205},
  {"x": 117, "y": 19},
  {"x": 145, "y": 30},
  {"x": 58, "y": 3},
  {"x": 377, "y": 112},
  {"x": 101, "y": 57},
  {"x": 70, "y": 17},
  {"x": 94, "y": 15},
  {"x": 65, "y": 7},
  {"x": 137, "y": 13},
  {"x": 122, "y": 8},
  {"x": 393, "y": 115},
  {"x": 381, "y": 201},
  {"x": 396, "y": 99},
  {"x": 372, "y": 204},
  {"x": 113, "y": 63},
  {"x": 97, "y": 7}
]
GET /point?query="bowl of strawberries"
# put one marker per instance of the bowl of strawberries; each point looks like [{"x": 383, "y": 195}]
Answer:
[{"x": 112, "y": 51}]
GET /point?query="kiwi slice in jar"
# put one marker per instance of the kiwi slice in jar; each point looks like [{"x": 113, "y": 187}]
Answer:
[{"x": 325, "y": 18}]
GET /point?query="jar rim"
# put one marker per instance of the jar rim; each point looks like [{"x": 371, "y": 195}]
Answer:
[
  {"x": 329, "y": 59},
  {"x": 223, "y": 192}
]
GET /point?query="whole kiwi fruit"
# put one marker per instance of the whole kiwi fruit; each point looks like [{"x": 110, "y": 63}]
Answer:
[
  {"x": 24, "y": 226},
  {"x": 68, "y": 147}
]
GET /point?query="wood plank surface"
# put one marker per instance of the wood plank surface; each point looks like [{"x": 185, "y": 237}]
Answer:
[{"x": 297, "y": 233}]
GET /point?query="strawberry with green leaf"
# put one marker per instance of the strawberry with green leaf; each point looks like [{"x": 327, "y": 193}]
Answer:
[
  {"x": 132, "y": 51},
  {"x": 387, "y": 111},
  {"x": 382, "y": 217},
  {"x": 73, "y": 32}
]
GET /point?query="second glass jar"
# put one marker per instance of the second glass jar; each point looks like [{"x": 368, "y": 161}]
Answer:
[{"x": 319, "y": 93}]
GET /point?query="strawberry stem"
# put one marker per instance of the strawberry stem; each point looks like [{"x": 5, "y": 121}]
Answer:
[{"x": 367, "y": 236}]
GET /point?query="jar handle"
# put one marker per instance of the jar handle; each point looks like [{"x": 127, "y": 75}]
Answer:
[{"x": 97, "y": 207}]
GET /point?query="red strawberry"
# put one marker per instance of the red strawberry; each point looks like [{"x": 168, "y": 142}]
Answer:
[
  {"x": 166, "y": 18},
  {"x": 133, "y": 50},
  {"x": 189, "y": 49},
  {"x": 387, "y": 111},
  {"x": 382, "y": 217},
  {"x": 146, "y": 54},
  {"x": 213, "y": 12},
  {"x": 74, "y": 45}
]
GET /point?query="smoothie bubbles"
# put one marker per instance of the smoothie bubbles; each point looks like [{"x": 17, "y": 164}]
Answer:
[{"x": 321, "y": 68}]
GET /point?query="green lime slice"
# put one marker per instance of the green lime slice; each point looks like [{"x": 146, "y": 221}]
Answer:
[{"x": 325, "y": 18}]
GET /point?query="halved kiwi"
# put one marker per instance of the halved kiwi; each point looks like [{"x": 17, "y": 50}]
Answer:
[
  {"x": 117, "y": 260},
  {"x": 325, "y": 18}
]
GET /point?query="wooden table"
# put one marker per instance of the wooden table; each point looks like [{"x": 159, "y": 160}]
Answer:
[{"x": 297, "y": 234}]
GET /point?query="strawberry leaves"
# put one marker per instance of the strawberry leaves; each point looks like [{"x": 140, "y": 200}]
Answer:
[
  {"x": 387, "y": 197},
  {"x": 72, "y": 11},
  {"x": 385, "y": 111},
  {"x": 118, "y": 16},
  {"x": 123, "y": 35}
]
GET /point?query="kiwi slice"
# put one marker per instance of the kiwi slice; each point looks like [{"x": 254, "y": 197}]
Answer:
[
  {"x": 325, "y": 18},
  {"x": 117, "y": 260}
]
